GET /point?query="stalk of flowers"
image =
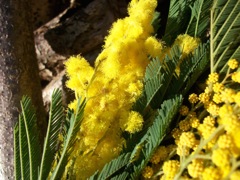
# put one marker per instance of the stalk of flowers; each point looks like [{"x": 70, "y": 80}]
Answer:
[
  {"x": 207, "y": 144},
  {"x": 111, "y": 88}
]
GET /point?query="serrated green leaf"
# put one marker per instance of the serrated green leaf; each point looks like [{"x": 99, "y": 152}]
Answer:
[
  {"x": 112, "y": 167},
  {"x": 155, "y": 134},
  {"x": 51, "y": 143},
  {"x": 29, "y": 146},
  {"x": 224, "y": 32},
  {"x": 69, "y": 139},
  {"x": 17, "y": 161},
  {"x": 200, "y": 19},
  {"x": 177, "y": 22}
]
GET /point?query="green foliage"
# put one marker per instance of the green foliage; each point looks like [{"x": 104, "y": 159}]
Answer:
[
  {"x": 162, "y": 96},
  {"x": 154, "y": 135},
  {"x": 224, "y": 30},
  {"x": 17, "y": 165},
  {"x": 56, "y": 117},
  {"x": 27, "y": 156},
  {"x": 27, "y": 148},
  {"x": 112, "y": 167},
  {"x": 135, "y": 160},
  {"x": 191, "y": 69},
  {"x": 73, "y": 126},
  {"x": 200, "y": 19},
  {"x": 177, "y": 22}
]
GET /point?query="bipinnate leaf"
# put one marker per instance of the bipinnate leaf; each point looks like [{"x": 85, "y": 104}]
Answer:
[{"x": 69, "y": 138}]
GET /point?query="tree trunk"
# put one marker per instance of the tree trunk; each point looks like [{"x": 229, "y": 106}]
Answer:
[{"x": 18, "y": 75}]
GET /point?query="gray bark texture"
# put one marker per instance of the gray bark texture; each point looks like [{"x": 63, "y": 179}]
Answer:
[{"x": 18, "y": 76}]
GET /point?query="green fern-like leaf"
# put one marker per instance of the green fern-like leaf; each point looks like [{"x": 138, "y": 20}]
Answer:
[
  {"x": 28, "y": 143},
  {"x": 157, "y": 79},
  {"x": 55, "y": 122},
  {"x": 155, "y": 134},
  {"x": 224, "y": 33},
  {"x": 69, "y": 138},
  {"x": 17, "y": 162},
  {"x": 200, "y": 19},
  {"x": 112, "y": 167},
  {"x": 190, "y": 69},
  {"x": 177, "y": 21}
]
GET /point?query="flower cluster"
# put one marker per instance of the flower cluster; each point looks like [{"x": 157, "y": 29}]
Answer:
[
  {"x": 111, "y": 87},
  {"x": 207, "y": 139}
]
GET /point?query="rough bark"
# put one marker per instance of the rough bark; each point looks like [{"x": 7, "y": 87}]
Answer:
[{"x": 18, "y": 75}]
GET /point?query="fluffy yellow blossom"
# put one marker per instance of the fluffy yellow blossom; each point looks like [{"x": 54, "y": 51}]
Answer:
[
  {"x": 232, "y": 63},
  {"x": 221, "y": 157},
  {"x": 236, "y": 136},
  {"x": 147, "y": 172},
  {"x": 153, "y": 46},
  {"x": 212, "y": 108},
  {"x": 194, "y": 122},
  {"x": 206, "y": 130},
  {"x": 235, "y": 175},
  {"x": 176, "y": 133},
  {"x": 187, "y": 43},
  {"x": 188, "y": 139},
  {"x": 80, "y": 73},
  {"x": 225, "y": 141},
  {"x": 193, "y": 98},
  {"x": 111, "y": 88},
  {"x": 217, "y": 98},
  {"x": 227, "y": 95},
  {"x": 204, "y": 98},
  {"x": 211, "y": 173},
  {"x": 228, "y": 118},
  {"x": 182, "y": 150},
  {"x": 213, "y": 78},
  {"x": 134, "y": 122},
  {"x": 236, "y": 77},
  {"x": 160, "y": 155},
  {"x": 184, "y": 125},
  {"x": 218, "y": 87},
  {"x": 171, "y": 167},
  {"x": 237, "y": 98},
  {"x": 196, "y": 168},
  {"x": 183, "y": 110}
]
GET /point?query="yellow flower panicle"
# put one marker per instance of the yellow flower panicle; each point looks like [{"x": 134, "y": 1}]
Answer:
[
  {"x": 208, "y": 140},
  {"x": 112, "y": 87},
  {"x": 187, "y": 44}
]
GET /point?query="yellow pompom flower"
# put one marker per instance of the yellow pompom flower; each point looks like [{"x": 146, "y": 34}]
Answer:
[
  {"x": 211, "y": 173},
  {"x": 134, "y": 122},
  {"x": 160, "y": 155},
  {"x": 220, "y": 157},
  {"x": 193, "y": 98},
  {"x": 204, "y": 98},
  {"x": 196, "y": 168},
  {"x": 187, "y": 43},
  {"x": 227, "y": 95},
  {"x": 153, "y": 47},
  {"x": 111, "y": 88},
  {"x": 147, "y": 172},
  {"x": 236, "y": 77},
  {"x": 213, "y": 78},
  {"x": 183, "y": 110},
  {"x": 232, "y": 63},
  {"x": 235, "y": 175},
  {"x": 188, "y": 139},
  {"x": 171, "y": 167},
  {"x": 237, "y": 98},
  {"x": 80, "y": 73},
  {"x": 218, "y": 87},
  {"x": 184, "y": 125}
]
